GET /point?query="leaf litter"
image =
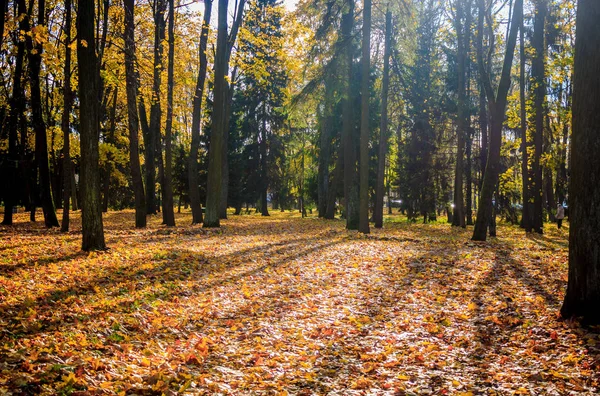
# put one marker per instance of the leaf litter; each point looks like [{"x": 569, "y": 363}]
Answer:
[{"x": 286, "y": 305}]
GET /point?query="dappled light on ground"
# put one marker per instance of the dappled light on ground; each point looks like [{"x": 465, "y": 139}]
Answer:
[{"x": 283, "y": 304}]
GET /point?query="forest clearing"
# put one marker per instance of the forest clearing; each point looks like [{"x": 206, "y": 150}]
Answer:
[{"x": 285, "y": 305}]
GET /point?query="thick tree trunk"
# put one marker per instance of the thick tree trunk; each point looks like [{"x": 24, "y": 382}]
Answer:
[
  {"x": 169, "y": 211},
  {"x": 215, "y": 153},
  {"x": 132, "y": 115},
  {"x": 497, "y": 109},
  {"x": 539, "y": 94},
  {"x": 583, "y": 291},
  {"x": 350, "y": 171},
  {"x": 65, "y": 121},
  {"x": 39, "y": 126},
  {"x": 193, "y": 176},
  {"x": 92, "y": 228},
  {"x": 383, "y": 126}
]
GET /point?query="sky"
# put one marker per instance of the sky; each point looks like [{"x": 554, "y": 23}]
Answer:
[{"x": 290, "y": 5}]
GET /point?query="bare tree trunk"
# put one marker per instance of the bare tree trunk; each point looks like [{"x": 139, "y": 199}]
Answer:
[
  {"x": 168, "y": 213},
  {"x": 196, "y": 118},
  {"x": 583, "y": 291},
  {"x": 526, "y": 217},
  {"x": 65, "y": 121},
  {"x": 92, "y": 228},
  {"x": 215, "y": 153},
  {"x": 459, "y": 203},
  {"x": 383, "y": 126},
  {"x": 110, "y": 139},
  {"x": 350, "y": 170},
  {"x": 539, "y": 93},
  {"x": 17, "y": 107},
  {"x": 497, "y": 108},
  {"x": 363, "y": 218},
  {"x": 132, "y": 116}
]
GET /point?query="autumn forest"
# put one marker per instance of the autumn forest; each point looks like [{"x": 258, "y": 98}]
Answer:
[{"x": 300, "y": 197}]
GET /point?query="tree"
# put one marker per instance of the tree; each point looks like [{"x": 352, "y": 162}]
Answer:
[
  {"x": 351, "y": 182},
  {"x": 497, "y": 105},
  {"x": 92, "y": 227},
  {"x": 539, "y": 94},
  {"x": 525, "y": 218},
  {"x": 168, "y": 212},
  {"x": 193, "y": 176},
  {"x": 383, "y": 126},
  {"x": 363, "y": 218},
  {"x": 34, "y": 52},
  {"x": 583, "y": 290},
  {"x": 132, "y": 83},
  {"x": 65, "y": 122},
  {"x": 215, "y": 153}
]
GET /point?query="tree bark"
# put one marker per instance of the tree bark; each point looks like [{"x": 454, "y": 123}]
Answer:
[
  {"x": 89, "y": 79},
  {"x": 583, "y": 291},
  {"x": 497, "y": 104},
  {"x": 39, "y": 126},
  {"x": 193, "y": 177},
  {"x": 169, "y": 211},
  {"x": 458, "y": 218},
  {"x": 351, "y": 182},
  {"x": 526, "y": 217},
  {"x": 363, "y": 218},
  {"x": 539, "y": 94},
  {"x": 383, "y": 125},
  {"x": 215, "y": 153},
  {"x": 65, "y": 121},
  {"x": 17, "y": 107},
  {"x": 132, "y": 115}
]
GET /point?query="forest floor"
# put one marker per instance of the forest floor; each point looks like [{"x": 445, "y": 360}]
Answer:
[{"x": 284, "y": 305}]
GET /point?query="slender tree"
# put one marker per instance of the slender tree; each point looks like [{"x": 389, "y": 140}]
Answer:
[
  {"x": 89, "y": 109},
  {"x": 169, "y": 210},
  {"x": 34, "y": 55},
  {"x": 497, "y": 105},
  {"x": 383, "y": 125},
  {"x": 363, "y": 218},
  {"x": 583, "y": 291},
  {"x": 132, "y": 115},
  {"x": 351, "y": 182},
  {"x": 525, "y": 219},
  {"x": 193, "y": 177},
  {"x": 65, "y": 121},
  {"x": 539, "y": 94}
]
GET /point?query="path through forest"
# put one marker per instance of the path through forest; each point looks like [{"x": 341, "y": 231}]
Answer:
[{"x": 284, "y": 305}]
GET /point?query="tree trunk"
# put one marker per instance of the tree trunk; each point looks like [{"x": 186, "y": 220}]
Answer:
[
  {"x": 526, "y": 217},
  {"x": 17, "y": 108},
  {"x": 350, "y": 170},
  {"x": 363, "y": 218},
  {"x": 110, "y": 139},
  {"x": 325, "y": 137},
  {"x": 497, "y": 110},
  {"x": 539, "y": 94},
  {"x": 39, "y": 126},
  {"x": 264, "y": 209},
  {"x": 583, "y": 291},
  {"x": 92, "y": 228},
  {"x": 193, "y": 177},
  {"x": 383, "y": 126},
  {"x": 459, "y": 202},
  {"x": 215, "y": 153},
  {"x": 132, "y": 115},
  {"x": 65, "y": 121},
  {"x": 335, "y": 184},
  {"x": 168, "y": 213}
]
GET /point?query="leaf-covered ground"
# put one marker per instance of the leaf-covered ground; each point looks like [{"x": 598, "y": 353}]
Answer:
[{"x": 284, "y": 305}]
